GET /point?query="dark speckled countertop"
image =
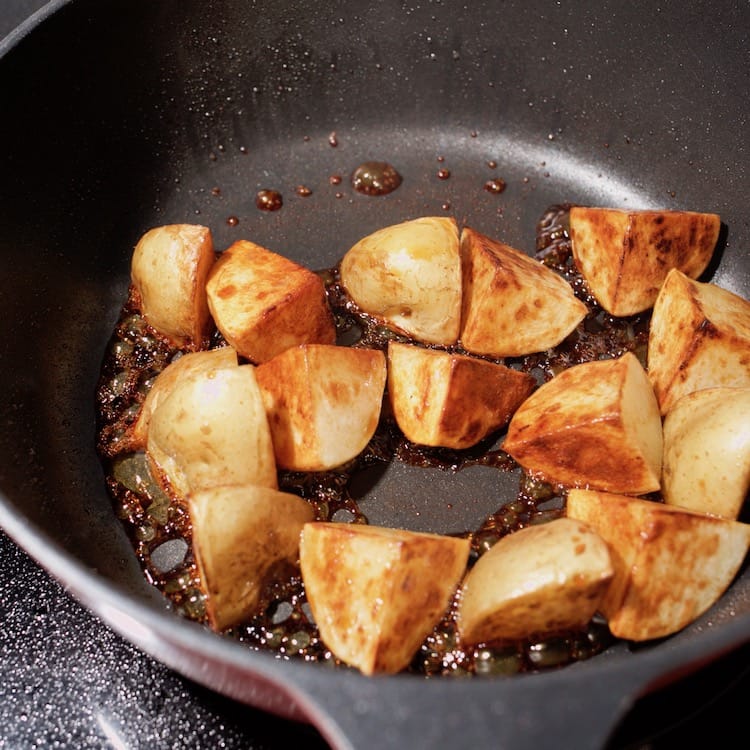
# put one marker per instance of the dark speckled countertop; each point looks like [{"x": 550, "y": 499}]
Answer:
[{"x": 67, "y": 681}]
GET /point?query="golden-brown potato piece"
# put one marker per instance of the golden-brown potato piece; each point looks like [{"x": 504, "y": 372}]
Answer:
[
  {"x": 594, "y": 425},
  {"x": 168, "y": 271},
  {"x": 699, "y": 338},
  {"x": 264, "y": 303},
  {"x": 212, "y": 430},
  {"x": 706, "y": 464},
  {"x": 323, "y": 403},
  {"x": 512, "y": 304},
  {"x": 409, "y": 276},
  {"x": 537, "y": 581},
  {"x": 451, "y": 400},
  {"x": 184, "y": 366},
  {"x": 376, "y": 593},
  {"x": 670, "y": 564},
  {"x": 625, "y": 255},
  {"x": 243, "y": 536}
]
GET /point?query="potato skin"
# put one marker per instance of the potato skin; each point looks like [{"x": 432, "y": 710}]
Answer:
[
  {"x": 707, "y": 452},
  {"x": 409, "y": 276},
  {"x": 264, "y": 303},
  {"x": 169, "y": 268},
  {"x": 512, "y": 304},
  {"x": 625, "y": 255},
  {"x": 376, "y": 592},
  {"x": 538, "y": 581},
  {"x": 699, "y": 338},
  {"x": 595, "y": 425}
]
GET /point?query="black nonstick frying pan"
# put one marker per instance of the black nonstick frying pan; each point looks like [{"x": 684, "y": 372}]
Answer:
[{"x": 120, "y": 116}]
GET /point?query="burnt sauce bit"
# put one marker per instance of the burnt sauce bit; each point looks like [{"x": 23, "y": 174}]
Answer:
[
  {"x": 135, "y": 356},
  {"x": 375, "y": 178}
]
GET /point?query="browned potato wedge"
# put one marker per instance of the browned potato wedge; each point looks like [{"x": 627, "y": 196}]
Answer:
[
  {"x": 376, "y": 593},
  {"x": 243, "y": 536},
  {"x": 185, "y": 366},
  {"x": 264, "y": 303},
  {"x": 707, "y": 452},
  {"x": 594, "y": 425},
  {"x": 512, "y": 304},
  {"x": 169, "y": 268},
  {"x": 409, "y": 276},
  {"x": 212, "y": 430},
  {"x": 538, "y": 581},
  {"x": 451, "y": 400},
  {"x": 323, "y": 403},
  {"x": 670, "y": 564},
  {"x": 625, "y": 255},
  {"x": 699, "y": 338}
]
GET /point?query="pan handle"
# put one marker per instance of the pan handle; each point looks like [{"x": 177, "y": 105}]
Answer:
[{"x": 577, "y": 709}]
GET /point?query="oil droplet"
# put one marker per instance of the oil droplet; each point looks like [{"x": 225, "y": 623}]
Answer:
[
  {"x": 494, "y": 186},
  {"x": 233, "y": 221},
  {"x": 268, "y": 200},
  {"x": 444, "y": 174},
  {"x": 335, "y": 179},
  {"x": 492, "y": 164},
  {"x": 333, "y": 140},
  {"x": 375, "y": 178},
  {"x": 303, "y": 191}
]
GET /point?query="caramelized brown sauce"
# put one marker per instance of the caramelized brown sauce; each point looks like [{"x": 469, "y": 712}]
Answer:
[
  {"x": 159, "y": 527},
  {"x": 375, "y": 178}
]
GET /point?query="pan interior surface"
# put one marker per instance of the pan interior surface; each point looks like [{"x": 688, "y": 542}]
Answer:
[{"x": 586, "y": 105}]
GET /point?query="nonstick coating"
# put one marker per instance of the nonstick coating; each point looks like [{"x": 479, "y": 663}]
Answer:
[{"x": 120, "y": 116}]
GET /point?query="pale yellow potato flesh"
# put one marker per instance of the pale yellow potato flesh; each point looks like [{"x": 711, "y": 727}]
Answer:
[
  {"x": 323, "y": 403},
  {"x": 451, "y": 400},
  {"x": 699, "y": 338},
  {"x": 244, "y": 536},
  {"x": 625, "y": 255},
  {"x": 409, "y": 276},
  {"x": 671, "y": 564},
  {"x": 264, "y": 303},
  {"x": 706, "y": 464},
  {"x": 535, "y": 582},
  {"x": 594, "y": 425},
  {"x": 376, "y": 593},
  {"x": 169, "y": 268},
  {"x": 512, "y": 304},
  {"x": 184, "y": 366},
  {"x": 212, "y": 430}
]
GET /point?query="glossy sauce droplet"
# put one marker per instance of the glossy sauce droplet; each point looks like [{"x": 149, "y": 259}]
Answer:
[
  {"x": 269, "y": 200},
  {"x": 375, "y": 178},
  {"x": 303, "y": 191},
  {"x": 494, "y": 186},
  {"x": 444, "y": 174}
]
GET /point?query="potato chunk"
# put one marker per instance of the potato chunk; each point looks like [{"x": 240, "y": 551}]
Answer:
[
  {"x": 178, "y": 369},
  {"x": 512, "y": 304},
  {"x": 376, "y": 593},
  {"x": 243, "y": 536},
  {"x": 707, "y": 451},
  {"x": 540, "y": 580},
  {"x": 451, "y": 400},
  {"x": 212, "y": 430},
  {"x": 409, "y": 276},
  {"x": 625, "y": 255},
  {"x": 323, "y": 403},
  {"x": 699, "y": 338},
  {"x": 670, "y": 564},
  {"x": 594, "y": 425},
  {"x": 169, "y": 268},
  {"x": 264, "y": 303}
]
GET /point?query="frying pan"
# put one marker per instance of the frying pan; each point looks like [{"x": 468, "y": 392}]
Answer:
[{"x": 122, "y": 115}]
